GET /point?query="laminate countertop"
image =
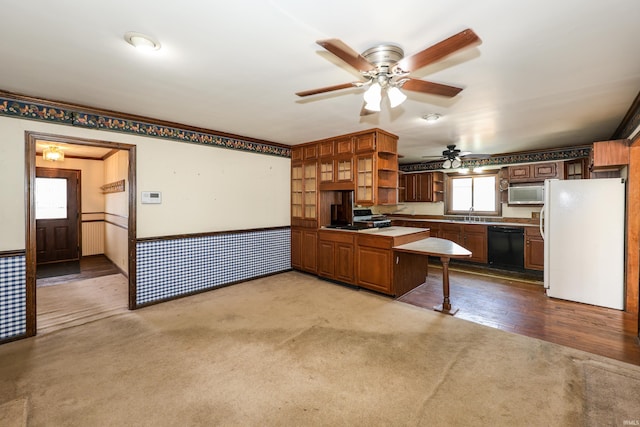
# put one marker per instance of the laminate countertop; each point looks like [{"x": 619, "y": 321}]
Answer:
[
  {"x": 457, "y": 221},
  {"x": 393, "y": 231}
]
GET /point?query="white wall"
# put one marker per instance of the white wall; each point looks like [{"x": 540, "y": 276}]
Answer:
[
  {"x": 210, "y": 189},
  {"x": 116, "y": 227},
  {"x": 204, "y": 188}
]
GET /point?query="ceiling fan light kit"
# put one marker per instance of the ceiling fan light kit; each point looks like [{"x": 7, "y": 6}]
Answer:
[
  {"x": 452, "y": 158},
  {"x": 384, "y": 68}
]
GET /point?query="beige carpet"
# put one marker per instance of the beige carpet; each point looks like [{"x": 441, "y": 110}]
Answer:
[
  {"x": 79, "y": 302},
  {"x": 292, "y": 350}
]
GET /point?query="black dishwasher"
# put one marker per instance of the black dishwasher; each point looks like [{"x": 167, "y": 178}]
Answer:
[{"x": 506, "y": 247}]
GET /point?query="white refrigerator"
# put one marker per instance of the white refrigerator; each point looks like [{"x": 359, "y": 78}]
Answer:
[{"x": 582, "y": 223}]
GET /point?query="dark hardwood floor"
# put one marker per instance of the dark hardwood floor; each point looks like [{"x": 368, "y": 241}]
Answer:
[
  {"x": 519, "y": 305},
  {"x": 90, "y": 266}
]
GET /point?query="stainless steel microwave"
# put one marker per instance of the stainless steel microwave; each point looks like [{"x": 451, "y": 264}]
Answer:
[{"x": 526, "y": 195}]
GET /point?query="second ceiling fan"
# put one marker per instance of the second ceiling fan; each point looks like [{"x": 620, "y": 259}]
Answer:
[{"x": 384, "y": 68}]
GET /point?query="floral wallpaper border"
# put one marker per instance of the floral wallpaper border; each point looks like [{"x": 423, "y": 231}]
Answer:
[
  {"x": 509, "y": 159},
  {"x": 48, "y": 113}
]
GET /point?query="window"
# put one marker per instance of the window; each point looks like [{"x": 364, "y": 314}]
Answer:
[
  {"x": 478, "y": 192},
  {"x": 51, "y": 198}
]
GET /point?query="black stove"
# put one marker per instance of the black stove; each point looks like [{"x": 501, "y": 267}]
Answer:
[{"x": 364, "y": 218}]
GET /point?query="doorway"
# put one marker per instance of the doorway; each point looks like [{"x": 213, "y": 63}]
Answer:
[
  {"x": 43, "y": 246},
  {"x": 57, "y": 205}
]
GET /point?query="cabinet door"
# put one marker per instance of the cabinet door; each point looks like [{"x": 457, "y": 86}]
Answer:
[
  {"x": 344, "y": 262},
  {"x": 344, "y": 169},
  {"x": 365, "y": 143},
  {"x": 542, "y": 171},
  {"x": 343, "y": 146},
  {"x": 309, "y": 250},
  {"x": 296, "y": 248},
  {"x": 325, "y": 149},
  {"x": 452, "y": 232},
  {"x": 310, "y": 152},
  {"x": 411, "y": 187},
  {"x": 477, "y": 244},
  {"x": 326, "y": 171},
  {"x": 310, "y": 201},
  {"x": 296, "y": 154},
  {"x": 297, "y": 191},
  {"x": 326, "y": 257},
  {"x": 365, "y": 168},
  {"x": 374, "y": 268},
  {"x": 425, "y": 190},
  {"x": 533, "y": 249},
  {"x": 519, "y": 173}
]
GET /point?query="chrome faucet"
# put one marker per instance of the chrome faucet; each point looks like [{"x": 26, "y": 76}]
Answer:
[{"x": 468, "y": 218}]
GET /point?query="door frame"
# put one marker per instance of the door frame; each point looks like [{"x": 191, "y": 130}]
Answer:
[{"x": 30, "y": 179}]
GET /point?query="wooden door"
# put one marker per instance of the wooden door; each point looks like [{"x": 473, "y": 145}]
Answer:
[{"x": 57, "y": 200}]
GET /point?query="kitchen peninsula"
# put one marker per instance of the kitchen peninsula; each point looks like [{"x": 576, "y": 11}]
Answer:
[{"x": 365, "y": 258}]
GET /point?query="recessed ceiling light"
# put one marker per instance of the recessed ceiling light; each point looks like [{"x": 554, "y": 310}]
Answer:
[
  {"x": 432, "y": 117},
  {"x": 141, "y": 41}
]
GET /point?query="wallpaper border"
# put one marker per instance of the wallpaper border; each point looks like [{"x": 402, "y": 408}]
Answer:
[{"x": 51, "y": 113}]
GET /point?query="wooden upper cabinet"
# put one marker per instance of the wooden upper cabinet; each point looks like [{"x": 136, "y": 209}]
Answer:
[
  {"x": 365, "y": 143},
  {"x": 326, "y": 149},
  {"x": 310, "y": 152},
  {"x": 297, "y": 154},
  {"x": 366, "y": 162},
  {"x": 575, "y": 169},
  {"x": 418, "y": 187},
  {"x": 535, "y": 172},
  {"x": 521, "y": 173},
  {"x": 343, "y": 146},
  {"x": 610, "y": 154},
  {"x": 542, "y": 171}
]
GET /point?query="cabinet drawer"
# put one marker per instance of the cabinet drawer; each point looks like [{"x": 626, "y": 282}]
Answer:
[
  {"x": 336, "y": 236},
  {"x": 374, "y": 241}
]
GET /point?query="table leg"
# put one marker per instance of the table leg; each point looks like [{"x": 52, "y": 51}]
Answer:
[{"x": 445, "y": 307}]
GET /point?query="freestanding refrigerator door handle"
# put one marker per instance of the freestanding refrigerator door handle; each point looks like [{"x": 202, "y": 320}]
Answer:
[{"x": 542, "y": 222}]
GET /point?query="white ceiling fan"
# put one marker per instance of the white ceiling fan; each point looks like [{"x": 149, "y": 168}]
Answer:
[
  {"x": 386, "y": 70},
  {"x": 453, "y": 157}
]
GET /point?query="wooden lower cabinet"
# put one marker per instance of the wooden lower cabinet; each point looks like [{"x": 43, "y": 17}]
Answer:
[
  {"x": 374, "y": 267},
  {"x": 304, "y": 249},
  {"x": 475, "y": 240},
  {"x": 335, "y": 256},
  {"x": 533, "y": 249},
  {"x": 377, "y": 268},
  {"x": 368, "y": 261},
  {"x": 470, "y": 236}
]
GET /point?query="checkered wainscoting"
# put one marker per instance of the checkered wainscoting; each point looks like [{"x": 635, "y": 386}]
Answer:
[
  {"x": 13, "y": 296},
  {"x": 169, "y": 268}
]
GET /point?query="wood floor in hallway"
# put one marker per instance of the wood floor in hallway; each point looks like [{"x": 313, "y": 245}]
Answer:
[{"x": 520, "y": 306}]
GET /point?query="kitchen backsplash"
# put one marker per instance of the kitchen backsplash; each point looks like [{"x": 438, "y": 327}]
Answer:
[{"x": 417, "y": 208}]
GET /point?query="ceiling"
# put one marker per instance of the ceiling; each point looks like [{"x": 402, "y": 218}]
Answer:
[{"x": 547, "y": 73}]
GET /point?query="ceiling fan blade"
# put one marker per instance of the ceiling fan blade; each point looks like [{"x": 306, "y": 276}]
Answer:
[
  {"x": 325, "y": 89},
  {"x": 439, "y": 50},
  {"x": 430, "y": 87},
  {"x": 348, "y": 55}
]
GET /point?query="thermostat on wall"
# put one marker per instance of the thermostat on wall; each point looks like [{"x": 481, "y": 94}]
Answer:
[{"x": 151, "y": 197}]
